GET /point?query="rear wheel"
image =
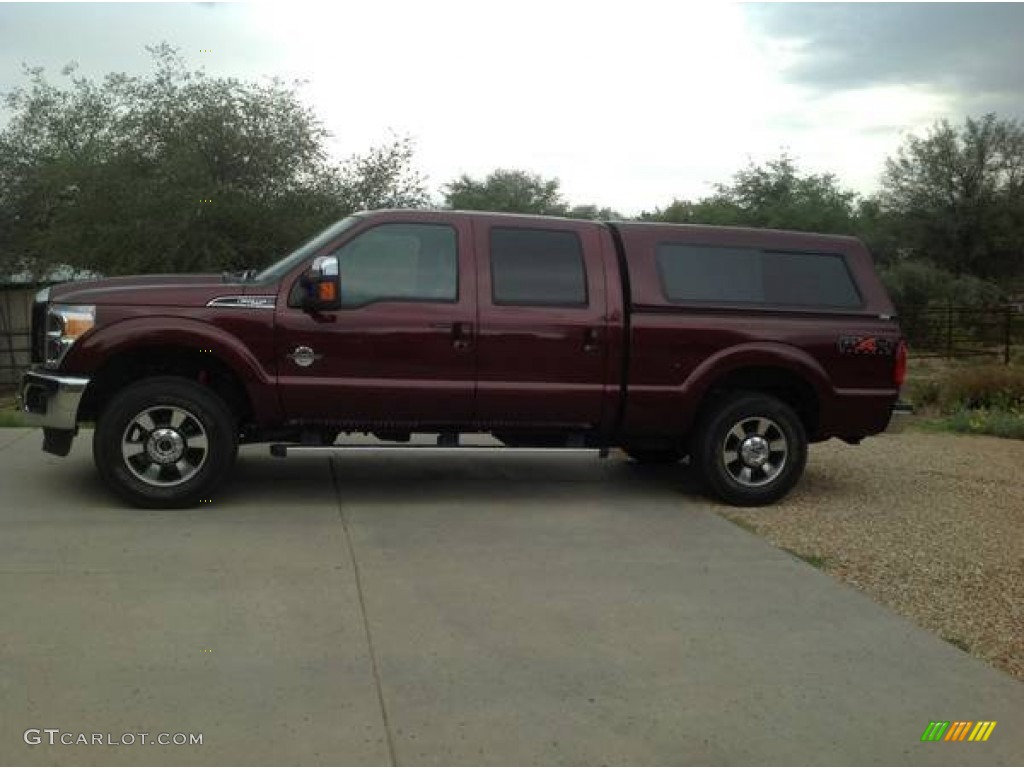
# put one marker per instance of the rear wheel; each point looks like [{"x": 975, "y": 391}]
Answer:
[
  {"x": 165, "y": 442},
  {"x": 751, "y": 449}
]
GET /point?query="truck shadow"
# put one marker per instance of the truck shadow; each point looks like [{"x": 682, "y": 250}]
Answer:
[
  {"x": 256, "y": 485},
  {"x": 411, "y": 479},
  {"x": 261, "y": 483}
]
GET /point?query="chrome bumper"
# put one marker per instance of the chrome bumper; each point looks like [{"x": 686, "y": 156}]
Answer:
[
  {"x": 50, "y": 401},
  {"x": 901, "y": 413}
]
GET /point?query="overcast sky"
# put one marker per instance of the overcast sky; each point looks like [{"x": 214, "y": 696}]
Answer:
[{"x": 629, "y": 104}]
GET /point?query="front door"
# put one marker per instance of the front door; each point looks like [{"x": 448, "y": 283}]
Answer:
[{"x": 400, "y": 351}]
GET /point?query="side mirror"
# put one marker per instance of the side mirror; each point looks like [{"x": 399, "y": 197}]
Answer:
[{"x": 322, "y": 285}]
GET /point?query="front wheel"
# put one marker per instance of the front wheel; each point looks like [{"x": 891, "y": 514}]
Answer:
[
  {"x": 165, "y": 442},
  {"x": 751, "y": 449}
]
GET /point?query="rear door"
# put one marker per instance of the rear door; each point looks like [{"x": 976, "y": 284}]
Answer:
[{"x": 542, "y": 344}]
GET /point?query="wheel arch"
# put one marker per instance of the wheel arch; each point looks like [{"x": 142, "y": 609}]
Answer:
[
  {"x": 134, "y": 364},
  {"x": 126, "y": 351},
  {"x": 786, "y": 373},
  {"x": 781, "y": 383}
]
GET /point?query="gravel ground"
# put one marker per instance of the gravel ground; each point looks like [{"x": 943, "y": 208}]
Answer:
[{"x": 931, "y": 525}]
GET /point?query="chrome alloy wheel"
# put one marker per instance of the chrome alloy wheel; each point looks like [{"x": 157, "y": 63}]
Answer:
[
  {"x": 164, "y": 445},
  {"x": 755, "y": 451}
]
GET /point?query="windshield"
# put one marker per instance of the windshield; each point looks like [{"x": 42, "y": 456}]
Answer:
[{"x": 279, "y": 269}]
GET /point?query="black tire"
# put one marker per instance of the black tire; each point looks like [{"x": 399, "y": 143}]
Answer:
[
  {"x": 168, "y": 466},
  {"x": 750, "y": 472},
  {"x": 654, "y": 457}
]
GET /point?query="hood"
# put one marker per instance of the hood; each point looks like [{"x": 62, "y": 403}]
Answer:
[{"x": 153, "y": 290}]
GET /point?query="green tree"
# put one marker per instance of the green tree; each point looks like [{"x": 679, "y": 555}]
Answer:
[
  {"x": 176, "y": 171},
  {"x": 506, "y": 191},
  {"x": 716, "y": 210},
  {"x": 959, "y": 195},
  {"x": 882, "y": 231},
  {"x": 383, "y": 177},
  {"x": 775, "y": 195},
  {"x": 594, "y": 213}
]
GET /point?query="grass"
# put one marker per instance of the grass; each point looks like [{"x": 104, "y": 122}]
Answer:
[
  {"x": 816, "y": 561},
  {"x": 744, "y": 524},
  {"x": 957, "y": 642},
  {"x": 11, "y": 419},
  {"x": 9, "y": 414},
  {"x": 995, "y": 422}
]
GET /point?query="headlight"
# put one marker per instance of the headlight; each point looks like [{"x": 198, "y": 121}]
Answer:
[{"x": 65, "y": 323}]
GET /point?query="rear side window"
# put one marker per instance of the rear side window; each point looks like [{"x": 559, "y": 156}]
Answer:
[
  {"x": 700, "y": 273},
  {"x": 537, "y": 267},
  {"x": 399, "y": 262}
]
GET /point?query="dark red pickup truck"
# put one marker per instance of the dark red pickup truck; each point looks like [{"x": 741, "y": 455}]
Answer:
[{"x": 735, "y": 347}]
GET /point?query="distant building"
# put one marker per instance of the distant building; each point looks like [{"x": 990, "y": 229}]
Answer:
[{"x": 16, "y": 293}]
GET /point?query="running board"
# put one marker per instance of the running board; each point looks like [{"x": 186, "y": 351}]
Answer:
[{"x": 283, "y": 450}]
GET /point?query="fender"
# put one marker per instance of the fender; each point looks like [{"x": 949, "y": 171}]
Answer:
[
  {"x": 759, "y": 354},
  {"x": 123, "y": 336}
]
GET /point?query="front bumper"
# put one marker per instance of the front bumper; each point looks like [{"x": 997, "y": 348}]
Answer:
[{"x": 50, "y": 401}]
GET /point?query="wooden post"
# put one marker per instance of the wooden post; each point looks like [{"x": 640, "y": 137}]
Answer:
[
  {"x": 949, "y": 330},
  {"x": 1007, "y": 336}
]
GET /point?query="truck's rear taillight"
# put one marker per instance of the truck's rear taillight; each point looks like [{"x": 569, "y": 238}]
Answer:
[{"x": 899, "y": 371}]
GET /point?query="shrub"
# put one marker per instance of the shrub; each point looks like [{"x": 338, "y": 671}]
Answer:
[
  {"x": 923, "y": 392},
  {"x": 1000, "y": 423},
  {"x": 999, "y": 387},
  {"x": 913, "y": 285}
]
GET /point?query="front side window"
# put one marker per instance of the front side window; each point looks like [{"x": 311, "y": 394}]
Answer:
[
  {"x": 399, "y": 262},
  {"x": 537, "y": 267},
  {"x": 712, "y": 274}
]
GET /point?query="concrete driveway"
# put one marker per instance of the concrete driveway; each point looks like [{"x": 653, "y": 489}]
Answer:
[{"x": 479, "y": 608}]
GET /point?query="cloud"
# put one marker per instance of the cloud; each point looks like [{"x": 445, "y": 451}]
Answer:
[
  {"x": 627, "y": 109},
  {"x": 970, "y": 51},
  {"x": 112, "y": 37}
]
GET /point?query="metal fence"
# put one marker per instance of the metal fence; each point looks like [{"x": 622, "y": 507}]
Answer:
[
  {"x": 965, "y": 332},
  {"x": 14, "y": 356},
  {"x": 15, "y": 320}
]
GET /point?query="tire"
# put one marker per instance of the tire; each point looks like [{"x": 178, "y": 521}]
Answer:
[
  {"x": 653, "y": 457},
  {"x": 165, "y": 443},
  {"x": 751, "y": 449}
]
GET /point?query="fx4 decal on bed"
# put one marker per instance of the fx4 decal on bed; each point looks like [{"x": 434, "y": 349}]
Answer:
[{"x": 866, "y": 345}]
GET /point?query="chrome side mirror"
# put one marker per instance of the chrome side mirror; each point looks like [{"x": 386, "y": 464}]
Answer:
[{"x": 322, "y": 285}]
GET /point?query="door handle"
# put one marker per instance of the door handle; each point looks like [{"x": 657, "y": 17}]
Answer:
[
  {"x": 591, "y": 339},
  {"x": 462, "y": 333}
]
